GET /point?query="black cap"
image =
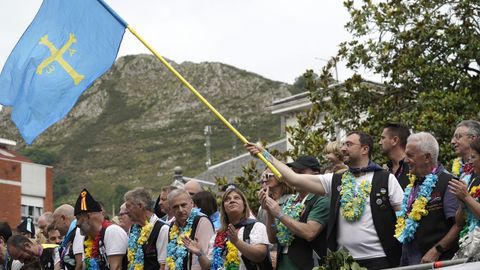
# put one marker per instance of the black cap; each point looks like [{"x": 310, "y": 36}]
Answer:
[
  {"x": 27, "y": 226},
  {"x": 86, "y": 204},
  {"x": 305, "y": 162}
]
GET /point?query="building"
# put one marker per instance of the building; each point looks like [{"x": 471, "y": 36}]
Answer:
[{"x": 26, "y": 188}]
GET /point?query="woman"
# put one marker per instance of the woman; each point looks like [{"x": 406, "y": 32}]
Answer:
[
  {"x": 228, "y": 248},
  {"x": 468, "y": 214},
  {"x": 208, "y": 205},
  {"x": 279, "y": 191}
]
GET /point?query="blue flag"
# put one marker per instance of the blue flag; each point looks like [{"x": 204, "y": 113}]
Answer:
[{"x": 68, "y": 45}]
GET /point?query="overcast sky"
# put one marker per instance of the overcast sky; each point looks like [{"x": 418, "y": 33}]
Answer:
[{"x": 278, "y": 39}]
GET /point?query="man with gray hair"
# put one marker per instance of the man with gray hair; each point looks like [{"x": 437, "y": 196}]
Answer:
[
  {"x": 426, "y": 222},
  {"x": 465, "y": 133},
  {"x": 191, "y": 223},
  {"x": 43, "y": 222},
  {"x": 138, "y": 203}
]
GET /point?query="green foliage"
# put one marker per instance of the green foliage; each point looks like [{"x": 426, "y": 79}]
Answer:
[
  {"x": 426, "y": 52},
  {"x": 339, "y": 260},
  {"x": 39, "y": 155}
]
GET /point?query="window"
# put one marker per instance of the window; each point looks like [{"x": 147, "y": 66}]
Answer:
[{"x": 31, "y": 211}]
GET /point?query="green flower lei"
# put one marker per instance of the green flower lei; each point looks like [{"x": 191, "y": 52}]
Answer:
[
  {"x": 353, "y": 197},
  {"x": 289, "y": 208}
]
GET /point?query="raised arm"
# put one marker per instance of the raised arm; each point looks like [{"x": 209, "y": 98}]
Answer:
[{"x": 309, "y": 183}]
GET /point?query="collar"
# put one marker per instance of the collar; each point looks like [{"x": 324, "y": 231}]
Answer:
[{"x": 371, "y": 167}]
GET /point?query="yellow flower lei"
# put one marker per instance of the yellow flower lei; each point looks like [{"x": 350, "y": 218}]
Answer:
[
  {"x": 474, "y": 190},
  {"x": 132, "y": 251},
  {"x": 232, "y": 258},
  {"x": 456, "y": 166},
  {"x": 88, "y": 247},
  {"x": 174, "y": 235}
]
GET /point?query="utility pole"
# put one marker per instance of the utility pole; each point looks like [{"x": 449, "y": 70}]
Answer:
[{"x": 208, "y": 131}]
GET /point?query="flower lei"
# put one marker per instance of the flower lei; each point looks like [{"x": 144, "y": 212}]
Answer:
[
  {"x": 289, "y": 208},
  {"x": 353, "y": 197},
  {"x": 232, "y": 261},
  {"x": 138, "y": 237},
  {"x": 471, "y": 221},
  {"x": 176, "y": 250},
  {"x": 457, "y": 166},
  {"x": 407, "y": 222},
  {"x": 91, "y": 253}
]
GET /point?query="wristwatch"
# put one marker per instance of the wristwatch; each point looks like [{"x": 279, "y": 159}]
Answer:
[{"x": 439, "y": 248}]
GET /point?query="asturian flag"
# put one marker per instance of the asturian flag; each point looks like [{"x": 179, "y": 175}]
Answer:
[{"x": 68, "y": 45}]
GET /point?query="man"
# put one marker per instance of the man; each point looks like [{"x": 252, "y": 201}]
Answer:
[
  {"x": 53, "y": 235},
  {"x": 365, "y": 228},
  {"x": 189, "y": 222},
  {"x": 164, "y": 205},
  {"x": 111, "y": 239},
  {"x": 124, "y": 220},
  {"x": 71, "y": 247},
  {"x": 138, "y": 204},
  {"x": 44, "y": 256},
  {"x": 192, "y": 187},
  {"x": 26, "y": 228},
  {"x": 307, "y": 228},
  {"x": 435, "y": 237},
  {"x": 465, "y": 133},
  {"x": 43, "y": 222},
  {"x": 392, "y": 144}
]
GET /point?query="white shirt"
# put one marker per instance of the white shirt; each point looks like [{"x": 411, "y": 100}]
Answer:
[
  {"x": 77, "y": 246},
  {"x": 258, "y": 235},
  {"x": 162, "y": 241},
  {"x": 360, "y": 237},
  {"x": 115, "y": 240}
]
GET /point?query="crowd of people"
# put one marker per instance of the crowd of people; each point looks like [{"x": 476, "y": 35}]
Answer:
[{"x": 411, "y": 210}]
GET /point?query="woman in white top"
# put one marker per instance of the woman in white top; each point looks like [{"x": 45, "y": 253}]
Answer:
[{"x": 227, "y": 247}]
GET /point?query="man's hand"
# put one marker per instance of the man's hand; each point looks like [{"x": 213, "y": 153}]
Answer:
[
  {"x": 431, "y": 256},
  {"x": 192, "y": 245},
  {"x": 254, "y": 149}
]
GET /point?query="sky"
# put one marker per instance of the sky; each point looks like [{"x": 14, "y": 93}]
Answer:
[{"x": 278, "y": 39}]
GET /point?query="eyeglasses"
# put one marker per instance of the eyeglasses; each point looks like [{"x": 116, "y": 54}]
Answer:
[
  {"x": 350, "y": 144},
  {"x": 458, "y": 136}
]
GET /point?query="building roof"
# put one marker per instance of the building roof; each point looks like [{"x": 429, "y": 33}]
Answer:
[
  {"x": 7, "y": 154},
  {"x": 234, "y": 167}
]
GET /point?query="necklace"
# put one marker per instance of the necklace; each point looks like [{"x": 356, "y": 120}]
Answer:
[
  {"x": 353, "y": 197},
  {"x": 138, "y": 237},
  {"x": 293, "y": 209}
]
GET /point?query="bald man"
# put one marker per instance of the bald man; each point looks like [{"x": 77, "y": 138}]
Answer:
[
  {"x": 71, "y": 248},
  {"x": 192, "y": 187}
]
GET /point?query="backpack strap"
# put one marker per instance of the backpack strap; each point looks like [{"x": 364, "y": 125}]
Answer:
[{"x": 266, "y": 264}]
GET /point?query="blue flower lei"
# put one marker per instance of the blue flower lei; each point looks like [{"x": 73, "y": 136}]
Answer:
[
  {"x": 353, "y": 197},
  {"x": 411, "y": 225},
  {"x": 175, "y": 248},
  {"x": 289, "y": 208}
]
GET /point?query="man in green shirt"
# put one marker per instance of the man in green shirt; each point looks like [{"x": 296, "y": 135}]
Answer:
[{"x": 299, "y": 225}]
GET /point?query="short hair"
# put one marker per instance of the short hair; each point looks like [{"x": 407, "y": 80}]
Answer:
[
  {"x": 51, "y": 227},
  {"x": 168, "y": 189},
  {"x": 48, "y": 216},
  {"x": 140, "y": 195},
  {"x": 334, "y": 148},
  {"x": 5, "y": 230},
  {"x": 399, "y": 130},
  {"x": 475, "y": 145},
  {"x": 426, "y": 143},
  {"x": 177, "y": 192},
  {"x": 472, "y": 125},
  {"x": 365, "y": 139},
  {"x": 206, "y": 202},
  {"x": 223, "y": 215},
  {"x": 18, "y": 241}
]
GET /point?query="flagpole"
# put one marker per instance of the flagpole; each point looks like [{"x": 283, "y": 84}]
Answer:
[{"x": 190, "y": 87}]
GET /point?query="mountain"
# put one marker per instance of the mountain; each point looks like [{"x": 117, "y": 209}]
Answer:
[{"x": 137, "y": 122}]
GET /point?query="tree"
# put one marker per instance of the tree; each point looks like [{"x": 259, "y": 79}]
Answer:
[{"x": 428, "y": 54}]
